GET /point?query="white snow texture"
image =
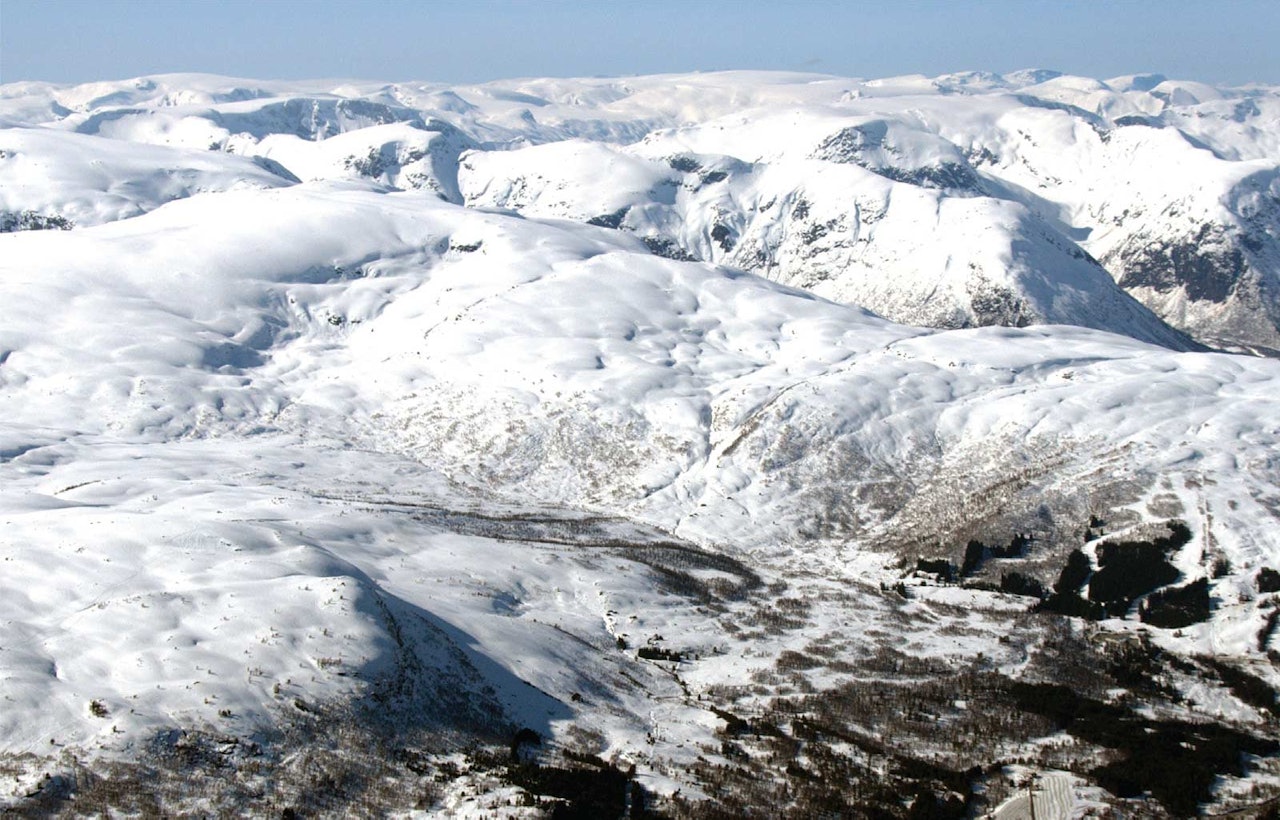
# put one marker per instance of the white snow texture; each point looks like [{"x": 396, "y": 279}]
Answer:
[{"x": 320, "y": 372}]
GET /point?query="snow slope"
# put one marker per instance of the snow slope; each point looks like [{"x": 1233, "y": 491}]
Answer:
[
  {"x": 419, "y": 434},
  {"x": 847, "y": 233},
  {"x": 88, "y": 181},
  {"x": 1025, "y": 179}
]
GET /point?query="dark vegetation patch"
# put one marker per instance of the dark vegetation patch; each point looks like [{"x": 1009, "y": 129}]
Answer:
[
  {"x": 790, "y": 660},
  {"x": 916, "y": 746},
  {"x": 1140, "y": 667},
  {"x": 977, "y": 553},
  {"x": 658, "y": 653},
  {"x": 1176, "y": 607},
  {"x": 1128, "y": 570},
  {"x": 1177, "y": 762},
  {"x": 1074, "y": 573},
  {"x": 323, "y": 768},
  {"x": 1066, "y": 599},
  {"x": 677, "y": 564},
  {"x": 914, "y": 737},
  {"x": 1246, "y": 686},
  {"x": 33, "y": 221},
  {"x": 974, "y": 554},
  {"x": 310, "y": 768},
  {"x": 588, "y": 789},
  {"x": 736, "y": 726},
  {"x": 808, "y": 772},
  {"x": 1015, "y": 583},
  {"x": 1268, "y": 580},
  {"x": 939, "y": 567}
]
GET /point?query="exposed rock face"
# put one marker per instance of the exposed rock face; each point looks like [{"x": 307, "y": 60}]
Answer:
[
  {"x": 1207, "y": 266},
  {"x": 1211, "y": 268}
]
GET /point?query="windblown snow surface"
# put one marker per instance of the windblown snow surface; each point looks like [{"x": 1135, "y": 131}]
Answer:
[{"x": 348, "y": 433}]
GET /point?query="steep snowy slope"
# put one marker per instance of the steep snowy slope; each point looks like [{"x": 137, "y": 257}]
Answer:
[
  {"x": 389, "y": 453},
  {"x": 1094, "y": 160},
  {"x": 913, "y": 253}
]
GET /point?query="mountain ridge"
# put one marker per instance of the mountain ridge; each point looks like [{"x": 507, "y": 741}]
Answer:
[{"x": 974, "y": 117}]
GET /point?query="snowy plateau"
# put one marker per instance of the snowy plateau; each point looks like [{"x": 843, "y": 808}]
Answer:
[{"x": 712, "y": 445}]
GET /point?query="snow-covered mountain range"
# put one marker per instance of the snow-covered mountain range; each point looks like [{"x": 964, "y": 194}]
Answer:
[{"x": 748, "y": 437}]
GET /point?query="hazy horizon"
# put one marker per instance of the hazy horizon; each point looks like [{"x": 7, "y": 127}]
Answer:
[{"x": 72, "y": 41}]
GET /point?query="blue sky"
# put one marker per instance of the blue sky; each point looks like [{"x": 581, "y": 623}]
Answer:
[{"x": 1221, "y": 41}]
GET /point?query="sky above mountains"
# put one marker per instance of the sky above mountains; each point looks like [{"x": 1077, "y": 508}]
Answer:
[{"x": 78, "y": 40}]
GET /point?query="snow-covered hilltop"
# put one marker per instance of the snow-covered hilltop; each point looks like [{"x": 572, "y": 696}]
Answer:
[
  {"x": 391, "y": 420},
  {"x": 957, "y": 201}
]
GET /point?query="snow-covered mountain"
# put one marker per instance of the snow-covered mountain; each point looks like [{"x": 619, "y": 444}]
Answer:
[
  {"x": 346, "y": 430},
  {"x": 963, "y": 200}
]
